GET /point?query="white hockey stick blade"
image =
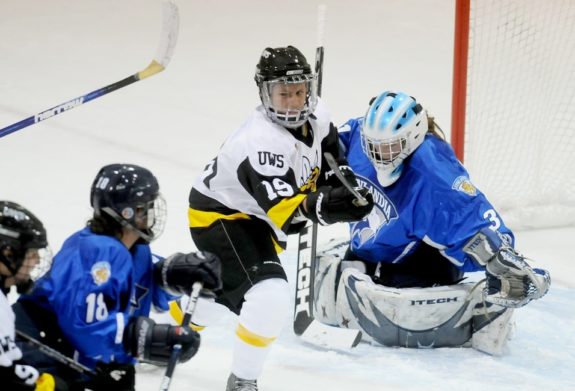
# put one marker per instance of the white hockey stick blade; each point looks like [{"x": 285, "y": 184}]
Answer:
[
  {"x": 170, "y": 30},
  {"x": 330, "y": 337}
]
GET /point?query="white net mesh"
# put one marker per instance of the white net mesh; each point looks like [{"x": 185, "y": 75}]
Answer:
[{"x": 520, "y": 121}]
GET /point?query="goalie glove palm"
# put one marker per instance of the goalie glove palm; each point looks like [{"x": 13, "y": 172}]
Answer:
[{"x": 511, "y": 282}]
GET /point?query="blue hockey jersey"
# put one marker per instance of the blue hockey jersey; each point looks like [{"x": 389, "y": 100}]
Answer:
[
  {"x": 95, "y": 287},
  {"x": 433, "y": 201}
]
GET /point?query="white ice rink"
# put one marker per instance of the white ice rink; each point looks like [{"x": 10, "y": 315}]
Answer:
[{"x": 173, "y": 123}]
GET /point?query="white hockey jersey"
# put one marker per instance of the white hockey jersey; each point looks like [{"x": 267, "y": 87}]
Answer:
[
  {"x": 263, "y": 171},
  {"x": 9, "y": 352},
  {"x": 14, "y": 375}
]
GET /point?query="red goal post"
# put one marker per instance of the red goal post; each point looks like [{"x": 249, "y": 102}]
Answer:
[{"x": 513, "y": 108}]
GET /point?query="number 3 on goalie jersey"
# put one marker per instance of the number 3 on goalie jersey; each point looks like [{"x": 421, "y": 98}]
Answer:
[
  {"x": 276, "y": 188},
  {"x": 96, "y": 307},
  {"x": 491, "y": 215}
]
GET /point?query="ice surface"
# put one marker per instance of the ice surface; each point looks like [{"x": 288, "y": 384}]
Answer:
[{"x": 173, "y": 123}]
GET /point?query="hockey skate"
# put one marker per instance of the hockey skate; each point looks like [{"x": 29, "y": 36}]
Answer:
[{"x": 237, "y": 384}]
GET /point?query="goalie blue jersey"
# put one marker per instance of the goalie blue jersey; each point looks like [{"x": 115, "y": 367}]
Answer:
[
  {"x": 95, "y": 287},
  {"x": 433, "y": 201}
]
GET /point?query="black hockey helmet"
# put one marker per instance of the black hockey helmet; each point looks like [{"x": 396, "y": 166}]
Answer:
[
  {"x": 285, "y": 66},
  {"x": 281, "y": 62},
  {"x": 127, "y": 193},
  {"x": 20, "y": 231}
]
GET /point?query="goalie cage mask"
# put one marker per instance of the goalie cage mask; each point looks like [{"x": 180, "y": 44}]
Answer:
[{"x": 394, "y": 126}]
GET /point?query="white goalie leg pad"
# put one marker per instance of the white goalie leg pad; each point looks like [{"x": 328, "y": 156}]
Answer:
[
  {"x": 408, "y": 317},
  {"x": 326, "y": 272},
  {"x": 328, "y": 269}
]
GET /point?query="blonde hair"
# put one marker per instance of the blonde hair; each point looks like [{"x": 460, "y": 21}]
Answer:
[{"x": 434, "y": 128}]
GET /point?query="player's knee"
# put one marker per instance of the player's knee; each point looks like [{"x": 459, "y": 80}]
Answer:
[{"x": 265, "y": 308}]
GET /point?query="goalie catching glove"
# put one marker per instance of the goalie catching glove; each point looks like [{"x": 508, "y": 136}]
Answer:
[
  {"x": 330, "y": 205},
  {"x": 146, "y": 340},
  {"x": 178, "y": 272},
  {"x": 511, "y": 282}
]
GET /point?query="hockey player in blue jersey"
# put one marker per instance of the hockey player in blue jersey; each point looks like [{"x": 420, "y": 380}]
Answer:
[
  {"x": 429, "y": 226},
  {"x": 94, "y": 302}
]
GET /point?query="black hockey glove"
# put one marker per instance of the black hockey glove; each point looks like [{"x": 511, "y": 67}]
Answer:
[
  {"x": 179, "y": 271},
  {"x": 330, "y": 205},
  {"x": 146, "y": 340},
  {"x": 330, "y": 179},
  {"x": 110, "y": 376}
]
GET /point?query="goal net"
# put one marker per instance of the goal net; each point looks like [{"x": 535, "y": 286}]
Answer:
[{"x": 513, "y": 119}]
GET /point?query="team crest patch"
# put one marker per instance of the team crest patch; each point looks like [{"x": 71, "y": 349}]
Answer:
[
  {"x": 101, "y": 272},
  {"x": 464, "y": 185}
]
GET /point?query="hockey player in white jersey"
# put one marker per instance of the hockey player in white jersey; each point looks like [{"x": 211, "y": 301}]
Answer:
[
  {"x": 262, "y": 185},
  {"x": 23, "y": 254},
  {"x": 430, "y": 225}
]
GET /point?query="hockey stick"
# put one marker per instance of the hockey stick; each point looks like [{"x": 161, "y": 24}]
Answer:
[
  {"x": 177, "y": 349},
  {"x": 303, "y": 313},
  {"x": 47, "y": 350},
  {"x": 359, "y": 199},
  {"x": 304, "y": 325},
  {"x": 170, "y": 26}
]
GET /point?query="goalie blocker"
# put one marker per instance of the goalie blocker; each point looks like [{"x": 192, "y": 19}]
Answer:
[{"x": 444, "y": 316}]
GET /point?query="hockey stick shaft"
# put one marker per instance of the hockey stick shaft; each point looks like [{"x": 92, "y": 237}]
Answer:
[
  {"x": 359, "y": 199},
  {"x": 319, "y": 51},
  {"x": 305, "y": 325},
  {"x": 170, "y": 26},
  {"x": 177, "y": 349},
  {"x": 303, "y": 312},
  {"x": 319, "y": 54},
  {"x": 47, "y": 350}
]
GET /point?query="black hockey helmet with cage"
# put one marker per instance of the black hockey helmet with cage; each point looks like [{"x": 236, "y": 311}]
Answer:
[
  {"x": 20, "y": 230},
  {"x": 126, "y": 192},
  {"x": 282, "y": 67},
  {"x": 281, "y": 62}
]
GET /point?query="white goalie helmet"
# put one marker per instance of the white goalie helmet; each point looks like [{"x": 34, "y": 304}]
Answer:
[{"x": 394, "y": 126}]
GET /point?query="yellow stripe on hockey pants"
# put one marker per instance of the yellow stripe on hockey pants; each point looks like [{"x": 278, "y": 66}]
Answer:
[{"x": 252, "y": 338}]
